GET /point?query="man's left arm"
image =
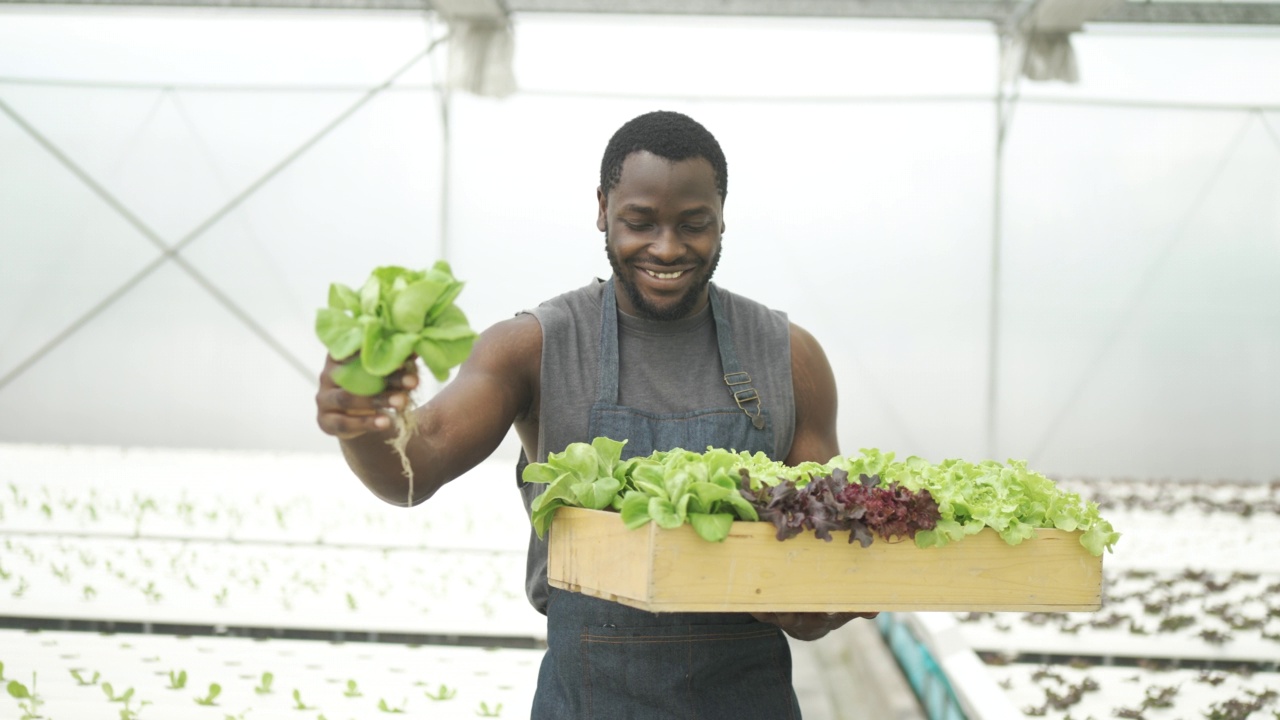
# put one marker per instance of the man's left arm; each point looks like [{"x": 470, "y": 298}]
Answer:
[{"x": 815, "y": 440}]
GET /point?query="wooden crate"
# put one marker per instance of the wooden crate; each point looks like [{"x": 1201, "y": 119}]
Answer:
[{"x": 653, "y": 569}]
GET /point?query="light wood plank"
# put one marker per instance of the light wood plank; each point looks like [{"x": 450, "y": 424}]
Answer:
[{"x": 675, "y": 570}]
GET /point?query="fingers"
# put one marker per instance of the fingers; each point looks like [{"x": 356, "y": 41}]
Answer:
[
  {"x": 346, "y": 415},
  {"x": 809, "y": 626},
  {"x": 407, "y": 378}
]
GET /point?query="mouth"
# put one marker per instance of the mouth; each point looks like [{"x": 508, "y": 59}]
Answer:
[{"x": 672, "y": 275}]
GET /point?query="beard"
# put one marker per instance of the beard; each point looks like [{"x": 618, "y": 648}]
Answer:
[{"x": 650, "y": 311}]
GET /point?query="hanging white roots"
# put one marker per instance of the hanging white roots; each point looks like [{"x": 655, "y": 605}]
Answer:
[{"x": 406, "y": 426}]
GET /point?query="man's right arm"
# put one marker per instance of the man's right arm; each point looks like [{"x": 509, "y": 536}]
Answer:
[{"x": 457, "y": 429}]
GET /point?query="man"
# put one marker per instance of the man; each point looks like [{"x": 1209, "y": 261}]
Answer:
[{"x": 656, "y": 356}]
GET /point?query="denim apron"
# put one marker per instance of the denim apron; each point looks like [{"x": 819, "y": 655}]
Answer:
[{"x": 607, "y": 661}]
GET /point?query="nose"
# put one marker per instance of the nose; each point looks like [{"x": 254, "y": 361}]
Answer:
[{"x": 667, "y": 247}]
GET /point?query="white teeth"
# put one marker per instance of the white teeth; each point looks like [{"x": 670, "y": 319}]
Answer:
[{"x": 665, "y": 276}]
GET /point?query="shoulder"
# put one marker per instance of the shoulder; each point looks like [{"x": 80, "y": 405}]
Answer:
[
  {"x": 587, "y": 297},
  {"x": 741, "y": 305}
]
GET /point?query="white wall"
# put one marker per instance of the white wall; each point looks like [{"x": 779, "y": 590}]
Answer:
[{"x": 1140, "y": 312}]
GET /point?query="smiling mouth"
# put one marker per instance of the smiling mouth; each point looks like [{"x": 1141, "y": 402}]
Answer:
[{"x": 665, "y": 275}]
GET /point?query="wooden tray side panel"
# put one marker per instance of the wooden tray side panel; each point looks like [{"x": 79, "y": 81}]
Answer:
[
  {"x": 592, "y": 552},
  {"x": 675, "y": 570}
]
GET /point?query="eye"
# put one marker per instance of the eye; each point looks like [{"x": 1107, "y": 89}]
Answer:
[
  {"x": 637, "y": 226},
  {"x": 697, "y": 228}
]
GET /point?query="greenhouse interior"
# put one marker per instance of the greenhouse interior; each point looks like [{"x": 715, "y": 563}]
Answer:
[{"x": 1037, "y": 240}]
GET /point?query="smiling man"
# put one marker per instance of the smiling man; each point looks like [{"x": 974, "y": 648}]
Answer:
[{"x": 656, "y": 355}]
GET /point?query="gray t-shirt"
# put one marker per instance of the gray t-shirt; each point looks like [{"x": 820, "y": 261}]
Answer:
[{"x": 664, "y": 367}]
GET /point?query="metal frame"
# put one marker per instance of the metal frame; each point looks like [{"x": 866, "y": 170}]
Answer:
[{"x": 994, "y": 11}]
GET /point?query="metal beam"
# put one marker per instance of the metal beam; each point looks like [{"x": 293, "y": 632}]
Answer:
[{"x": 995, "y": 11}]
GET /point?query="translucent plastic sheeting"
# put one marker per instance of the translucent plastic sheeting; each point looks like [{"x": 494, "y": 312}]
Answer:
[{"x": 1136, "y": 331}]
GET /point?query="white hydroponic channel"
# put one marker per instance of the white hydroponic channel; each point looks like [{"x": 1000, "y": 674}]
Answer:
[
  {"x": 333, "y": 680},
  {"x": 261, "y": 543},
  {"x": 1190, "y": 623},
  {"x": 274, "y": 541}
]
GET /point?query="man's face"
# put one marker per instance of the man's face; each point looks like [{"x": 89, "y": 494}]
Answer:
[{"x": 662, "y": 224}]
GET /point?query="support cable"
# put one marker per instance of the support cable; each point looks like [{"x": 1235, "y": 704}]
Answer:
[
  {"x": 224, "y": 185},
  {"x": 1144, "y": 286},
  {"x": 958, "y": 98},
  {"x": 166, "y": 253},
  {"x": 1005, "y": 105}
]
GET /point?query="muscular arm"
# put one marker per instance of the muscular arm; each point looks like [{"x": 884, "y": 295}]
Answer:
[
  {"x": 457, "y": 429},
  {"x": 815, "y": 440},
  {"x": 815, "y": 395}
]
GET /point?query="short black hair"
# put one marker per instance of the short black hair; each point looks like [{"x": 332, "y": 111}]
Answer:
[{"x": 669, "y": 135}]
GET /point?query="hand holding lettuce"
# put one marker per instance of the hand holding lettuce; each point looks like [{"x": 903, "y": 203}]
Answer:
[{"x": 396, "y": 315}]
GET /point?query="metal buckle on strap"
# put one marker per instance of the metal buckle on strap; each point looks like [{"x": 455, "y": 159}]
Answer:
[
  {"x": 747, "y": 395},
  {"x": 737, "y": 378}
]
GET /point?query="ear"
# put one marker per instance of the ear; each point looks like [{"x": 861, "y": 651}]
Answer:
[{"x": 601, "y": 224}]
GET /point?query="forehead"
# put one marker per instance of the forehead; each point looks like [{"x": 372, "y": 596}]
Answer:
[{"x": 651, "y": 180}]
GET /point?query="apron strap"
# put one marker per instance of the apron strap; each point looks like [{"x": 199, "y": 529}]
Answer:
[{"x": 738, "y": 380}]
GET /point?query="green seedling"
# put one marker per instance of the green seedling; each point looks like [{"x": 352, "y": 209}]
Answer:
[
  {"x": 444, "y": 693},
  {"x": 220, "y": 598},
  {"x": 351, "y": 601},
  {"x": 486, "y": 711},
  {"x": 131, "y": 713},
  {"x": 1, "y": 671},
  {"x": 352, "y": 691},
  {"x": 384, "y": 707},
  {"x": 297, "y": 702},
  {"x": 81, "y": 681},
  {"x": 177, "y": 680},
  {"x": 264, "y": 687},
  {"x": 89, "y": 593},
  {"x": 28, "y": 700},
  {"x": 214, "y": 691},
  {"x": 236, "y": 717},
  {"x": 113, "y": 697}
]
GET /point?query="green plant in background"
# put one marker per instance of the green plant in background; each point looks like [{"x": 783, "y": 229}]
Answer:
[
  {"x": 352, "y": 691},
  {"x": 80, "y": 679},
  {"x": 444, "y": 693},
  {"x": 486, "y": 711},
  {"x": 128, "y": 712},
  {"x": 297, "y": 702},
  {"x": 177, "y": 680},
  {"x": 113, "y": 697},
  {"x": 264, "y": 686},
  {"x": 211, "y": 698},
  {"x": 384, "y": 707},
  {"x": 1, "y": 672},
  {"x": 28, "y": 699}
]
